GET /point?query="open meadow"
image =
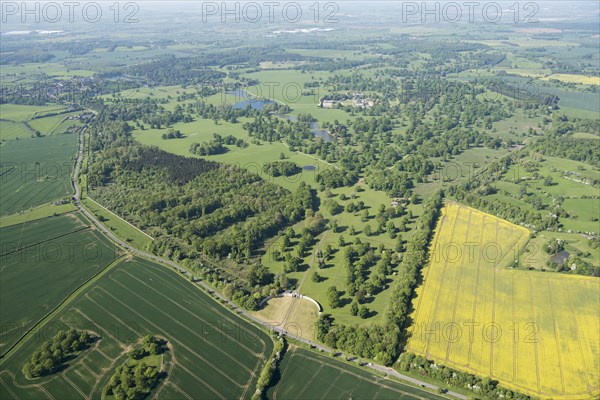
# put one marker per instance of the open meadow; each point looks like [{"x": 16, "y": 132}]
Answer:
[
  {"x": 214, "y": 353},
  {"x": 118, "y": 225},
  {"x": 22, "y": 122},
  {"x": 22, "y": 113},
  {"x": 534, "y": 332}
]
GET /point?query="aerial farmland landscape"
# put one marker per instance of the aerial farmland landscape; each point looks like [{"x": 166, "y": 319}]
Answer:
[{"x": 372, "y": 200}]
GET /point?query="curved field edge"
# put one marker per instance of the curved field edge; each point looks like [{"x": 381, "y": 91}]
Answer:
[
  {"x": 216, "y": 353},
  {"x": 535, "y": 332}
]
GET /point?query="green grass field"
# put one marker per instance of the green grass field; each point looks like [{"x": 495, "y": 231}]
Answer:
[
  {"x": 532, "y": 331},
  {"x": 35, "y": 171},
  {"x": 309, "y": 375},
  {"x": 215, "y": 354},
  {"x": 42, "y": 263},
  {"x": 46, "y": 210},
  {"x": 22, "y": 122},
  {"x": 334, "y": 274},
  {"x": 20, "y": 113},
  {"x": 119, "y": 226},
  {"x": 297, "y": 316},
  {"x": 10, "y": 130},
  {"x": 53, "y": 125},
  {"x": 252, "y": 157}
]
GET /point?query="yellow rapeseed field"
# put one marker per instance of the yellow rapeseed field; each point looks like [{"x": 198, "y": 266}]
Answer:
[
  {"x": 535, "y": 332},
  {"x": 574, "y": 78}
]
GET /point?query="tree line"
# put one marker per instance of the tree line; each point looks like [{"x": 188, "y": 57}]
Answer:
[{"x": 382, "y": 342}]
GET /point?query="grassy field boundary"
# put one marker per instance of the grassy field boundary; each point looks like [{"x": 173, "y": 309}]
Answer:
[
  {"x": 121, "y": 219},
  {"x": 83, "y": 228},
  {"x": 40, "y": 212}
]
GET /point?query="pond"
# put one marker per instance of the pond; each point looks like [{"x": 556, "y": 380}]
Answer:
[
  {"x": 247, "y": 99},
  {"x": 318, "y": 132},
  {"x": 314, "y": 127}
]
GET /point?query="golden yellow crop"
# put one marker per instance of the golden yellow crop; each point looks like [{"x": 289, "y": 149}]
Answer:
[{"x": 536, "y": 332}]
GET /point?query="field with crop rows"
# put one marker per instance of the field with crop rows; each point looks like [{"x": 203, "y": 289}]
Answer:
[
  {"x": 535, "y": 332},
  {"x": 42, "y": 263},
  {"x": 214, "y": 353},
  {"x": 35, "y": 171},
  {"x": 308, "y": 375}
]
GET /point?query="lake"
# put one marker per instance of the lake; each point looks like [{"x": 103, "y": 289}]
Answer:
[{"x": 258, "y": 104}]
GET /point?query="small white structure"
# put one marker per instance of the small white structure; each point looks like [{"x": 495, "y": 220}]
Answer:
[{"x": 329, "y": 103}]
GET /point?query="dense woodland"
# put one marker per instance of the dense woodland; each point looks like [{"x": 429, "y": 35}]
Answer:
[
  {"x": 200, "y": 211},
  {"x": 211, "y": 209}
]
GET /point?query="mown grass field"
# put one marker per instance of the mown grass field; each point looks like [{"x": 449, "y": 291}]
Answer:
[
  {"x": 252, "y": 157},
  {"x": 532, "y": 331},
  {"x": 308, "y": 375},
  {"x": 21, "y": 121},
  {"x": 20, "y": 113},
  {"x": 41, "y": 263},
  {"x": 35, "y": 171},
  {"x": 118, "y": 225},
  {"x": 215, "y": 354},
  {"x": 54, "y": 124},
  {"x": 297, "y": 316}
]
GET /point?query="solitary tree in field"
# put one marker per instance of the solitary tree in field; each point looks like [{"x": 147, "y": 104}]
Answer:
[
  {"x": 316, "y": 277},
  {"x": 363, "y": 312},
  {"x": 334, "y": 297}
]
